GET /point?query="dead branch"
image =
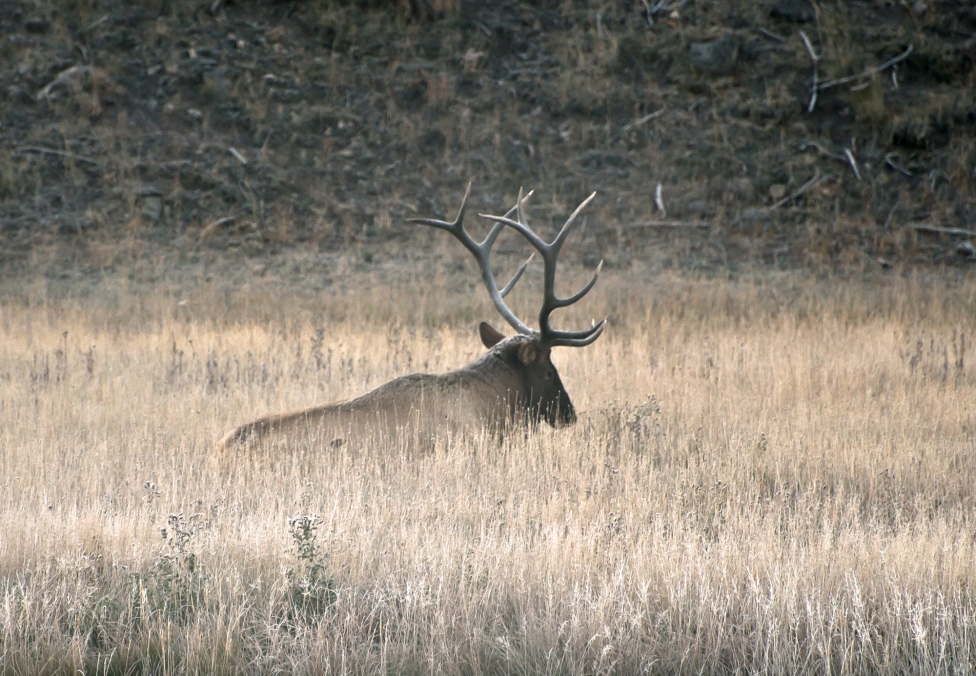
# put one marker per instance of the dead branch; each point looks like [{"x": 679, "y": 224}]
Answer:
[
  {"x": 869, "y": 72},
  {"x": 672, "y": 224},
  {"x": 847, "y": 156},
  {"x": 935, "y": 230},
  {"x": 890, "y": 161},
  {"x": 802, "y": 189},
  {"x": 816, "y": 73},
  {"x": 60, "y": 153},
  {"x": 770, "y": 34},
  {"x": 853, "y": 162},
  {"x": 644, "y": 120},
  {"x": 659, "y": 201}
]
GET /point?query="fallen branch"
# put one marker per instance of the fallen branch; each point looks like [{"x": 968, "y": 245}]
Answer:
[
  {"x": 823, "y": 151},
  {"x": 672, "y": 224},
  {"x": 868, "y": 72},
  {"x": 853, "y": 163},
  {"x": 770, "y": 34},
  {"x": 890, "y": 161},
  {"x": 816, "y": 73},
  {"x": 644, "y": 120},
  {"x": 935, "y": 230},
  {"x": 60, "y": 153},
  {"x": 847, "y": 156},
  {"x": 802, "y": 189}
]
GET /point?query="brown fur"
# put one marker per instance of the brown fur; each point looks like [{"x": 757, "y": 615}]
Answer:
[{"x": 514, "y": 381}]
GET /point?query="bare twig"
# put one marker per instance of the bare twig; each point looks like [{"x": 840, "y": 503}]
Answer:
[
  {"x": 935, "y": 230},
  {"x": 66, "y": 78},
  {"x": 816, "y": 71},
  {"x": 208, "y": 230},
  {"x": 672, "y": 224},
  {"x": 240, "y": 158},
  {"x": 823, "y": 151},
  {"x": 770, "y": 34},
  {"x": 60, "y": 153},
  {"x": 868, "y": 72},
  {"x": 659, "y": 201},
  {"x": 802, "y": 189},
  {"x": 648, "y": 14},
  {"x": 96, "y": 23},
  {"x": 644, "y": 120},
  {"x": 853, "y": 162}
]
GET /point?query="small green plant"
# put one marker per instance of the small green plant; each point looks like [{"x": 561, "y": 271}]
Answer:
[
  {"x": 175, "y": 583},
  {"x": 311, "y": 589}
]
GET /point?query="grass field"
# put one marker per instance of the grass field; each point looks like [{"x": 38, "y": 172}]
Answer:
[{"x": 772, "y": 474}]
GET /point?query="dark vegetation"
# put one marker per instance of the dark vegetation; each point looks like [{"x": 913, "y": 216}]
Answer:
[{"x": 192, "y": 129}]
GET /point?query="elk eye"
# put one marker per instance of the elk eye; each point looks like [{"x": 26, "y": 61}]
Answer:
[{"x": 549, "y": 374}]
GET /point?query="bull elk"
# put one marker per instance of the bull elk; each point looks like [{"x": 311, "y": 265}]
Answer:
[{"x": 514, "y": 382}]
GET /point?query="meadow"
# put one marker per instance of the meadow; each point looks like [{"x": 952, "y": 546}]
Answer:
[{"x": 771, "y": 473}]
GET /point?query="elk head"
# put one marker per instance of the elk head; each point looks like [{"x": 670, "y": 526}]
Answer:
[{"x": 541, "y": 395}]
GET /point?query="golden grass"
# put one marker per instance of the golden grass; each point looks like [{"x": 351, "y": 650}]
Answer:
[{"x": 772, "y": 474}]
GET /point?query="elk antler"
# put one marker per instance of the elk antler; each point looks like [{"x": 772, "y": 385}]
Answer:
[
  {"x": 482, "y": 252},
  {"x": 549, "y": 336}
]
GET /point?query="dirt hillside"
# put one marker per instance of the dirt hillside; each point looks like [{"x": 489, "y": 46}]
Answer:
[{"x": 189, "y": 129}]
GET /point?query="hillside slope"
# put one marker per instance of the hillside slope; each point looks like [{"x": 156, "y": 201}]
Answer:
[{"x": 187, "y": 129}]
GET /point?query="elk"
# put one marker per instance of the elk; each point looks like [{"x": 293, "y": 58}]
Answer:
[{"x": 513, "y": 383}]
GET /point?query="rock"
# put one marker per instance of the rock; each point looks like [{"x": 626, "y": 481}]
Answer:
[
  {"x": 965, "y": 250},
  {"x": 742, "y": 188},
  {"x": 37, "y": 25},
  {"x": 700, "y": 208},
  {"x": 756, "y": 216},
  {"x": 412, "y": 97},
  {"x": 152, "y": 208},
  {"x": 718, "y": 57},
  {"x": 515, "y": 157},
  {"x": 432, "y": 143},
  {"x": 797, "y": 11},
  {"x": 777, "y": 191},
  {"x": 598, "y": 159}
]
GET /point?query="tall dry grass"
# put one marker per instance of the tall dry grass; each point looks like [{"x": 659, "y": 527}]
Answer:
[{"x": 772, "y": 475}]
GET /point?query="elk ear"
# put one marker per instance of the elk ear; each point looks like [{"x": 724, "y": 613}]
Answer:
[
  {"x": 528, "y": 352},
  {"x": 489, "y": 336}
]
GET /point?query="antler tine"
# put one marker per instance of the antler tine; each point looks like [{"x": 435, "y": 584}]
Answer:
[
  {"x": 482, "y": 254},
  {"x": 550, "y": 254}
]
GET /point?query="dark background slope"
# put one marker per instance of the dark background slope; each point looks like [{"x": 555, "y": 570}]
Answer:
[{"x": 182, "y": 129}]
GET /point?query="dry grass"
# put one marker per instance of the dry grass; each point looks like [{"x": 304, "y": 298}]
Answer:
[{"x": 771, "y": 475}]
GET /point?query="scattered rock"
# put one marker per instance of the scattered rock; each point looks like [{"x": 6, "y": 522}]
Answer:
[
  {"x": 413, "y": 97},
  {"x": 777, "y": 191},
  {"x": 598, "y": 159},
  {"x": 742, "y": 188},
  {"x": 756, "y": 216},
  {"x": 700, "y": 208},
  {"x": 797, "y": 11},
  {"x": 432, "y": 143},
  {"x": 37, "y": 25},
  {"x": 515, "y": 157},
  {"x": 152, "y": 208},
  {"x": 718, "y": 57}
]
